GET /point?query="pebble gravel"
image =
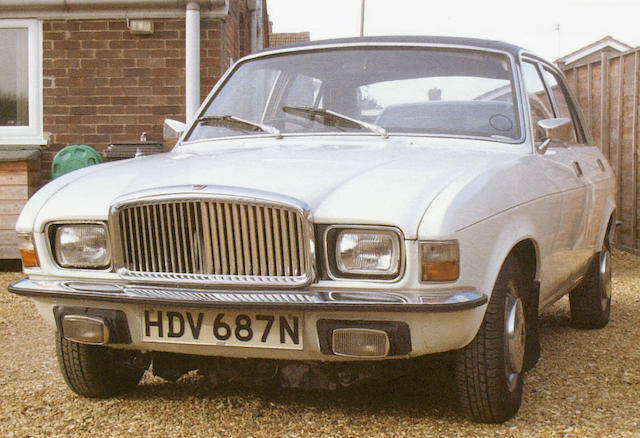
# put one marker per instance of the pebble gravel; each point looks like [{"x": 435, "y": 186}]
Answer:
[{"x": 587, "y": 384}]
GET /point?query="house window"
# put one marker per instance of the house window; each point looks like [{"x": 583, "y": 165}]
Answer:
[{"x": 20, "y": 82}]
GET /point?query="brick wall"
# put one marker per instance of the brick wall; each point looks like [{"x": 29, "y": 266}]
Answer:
[{"x": 103, "y": 84}]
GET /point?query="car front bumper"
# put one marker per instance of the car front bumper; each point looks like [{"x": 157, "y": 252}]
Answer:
[{"x": 435, "y": 322}]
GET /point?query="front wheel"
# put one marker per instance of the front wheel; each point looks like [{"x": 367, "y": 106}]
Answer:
[
  {"x": 98, "y": 372},
  {"x": 489, "y": 371}
]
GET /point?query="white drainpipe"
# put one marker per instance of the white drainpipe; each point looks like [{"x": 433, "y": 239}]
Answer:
[{"x": 192, "y": 60}]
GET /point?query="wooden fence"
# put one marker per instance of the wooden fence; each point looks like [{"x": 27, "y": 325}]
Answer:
[{"x": 607, "y": 90}]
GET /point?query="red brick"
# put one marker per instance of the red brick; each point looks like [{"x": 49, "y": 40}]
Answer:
[
  {"x": 123, "y": 81},
  {"x": 122, "y": 62},
  {"x": 135, "y": 72},
  {"x": 109, "y": 109},
  {"x": 68, "y": 25},
  {"x": 70, "y": 100},
  {"x": 134, "y": 54},
  {"x": 83, "y": 110},
  {"x": 54, "y": 36},
  {"x": 149, "y": 62},
  {"x": 94, "y": 25},
  {"x": 94, "y": 139},
  {"x": 54, "y": 92},
  {"x": 122, "y": 44},
  {"x": 117, "y": 25},
  {"x": 82, "y": 129},
  {"x": 94, "y": 63},
  {"x": 137, "y": 91},
  {"x": 139, "y": 109},
  {"x": 55, "y": 72},
  {"x": 108, "y": 53},
  {"x": 124, "y": 100},
  {"x": 152, "y": 99},
  {"x": 175, "y": 44},
  {"x": 150, "y": 120},
  {"x": 96, "y": 100},
  {"x": 166, "y": 34},
  {"x": 109, "y": 128},
  {"x": 63, "y": 63},
  {"x": 66, "y": 45},
  {"x": 93, "y": 44},
  {"x": 58, "y": 109},
  {"x": 82, "y": 91},
  {"x": 95, "y": 82},
  {"x": 151, "y": 43}
]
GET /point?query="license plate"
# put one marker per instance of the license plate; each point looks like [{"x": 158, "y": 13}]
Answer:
[{"x": 223, "y": 327}]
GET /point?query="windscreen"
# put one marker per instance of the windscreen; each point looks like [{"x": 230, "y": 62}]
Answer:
[{"x": 402, "y": 90}]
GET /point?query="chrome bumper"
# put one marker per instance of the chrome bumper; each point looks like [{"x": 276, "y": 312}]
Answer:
[{"x": 330, "y": 300}]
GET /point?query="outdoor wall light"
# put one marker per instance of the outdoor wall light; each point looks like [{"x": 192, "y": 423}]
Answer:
[{"x": 140, "y": 27}]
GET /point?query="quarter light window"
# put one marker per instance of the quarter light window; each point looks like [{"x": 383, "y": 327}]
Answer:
[{"x": 20, "y": 82}]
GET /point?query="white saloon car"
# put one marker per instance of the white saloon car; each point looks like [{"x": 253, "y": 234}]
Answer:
[{"x": 334, "y": 206}]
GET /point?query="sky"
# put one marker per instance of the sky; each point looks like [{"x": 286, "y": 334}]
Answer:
[{"x": 530, "y": 24}]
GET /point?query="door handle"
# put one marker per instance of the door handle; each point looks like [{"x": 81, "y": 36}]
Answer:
[
  {"x": 601, "y": 165},
  {"x": 577, "y": 168}
]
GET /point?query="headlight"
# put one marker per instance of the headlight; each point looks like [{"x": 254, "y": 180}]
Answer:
[
  {"x": 82, "y": 246},
  {"x": 440, "y": 261},
  {"x": 365, "y": 252}
]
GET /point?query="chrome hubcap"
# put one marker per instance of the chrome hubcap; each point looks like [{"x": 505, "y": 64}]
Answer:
[
  {"x": 605, "y": 278},
  {"x": 514, "y": 339}
]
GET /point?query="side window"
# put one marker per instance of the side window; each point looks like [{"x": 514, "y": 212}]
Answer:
[
  {"x": 539, "y": 105},
  {"x": 561, "y": 100}
]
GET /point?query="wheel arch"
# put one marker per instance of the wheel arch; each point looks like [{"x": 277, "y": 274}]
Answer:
[{"x": 607, "y": 227}]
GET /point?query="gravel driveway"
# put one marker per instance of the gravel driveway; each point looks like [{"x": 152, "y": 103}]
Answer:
[{"x": 586, "y": 384}]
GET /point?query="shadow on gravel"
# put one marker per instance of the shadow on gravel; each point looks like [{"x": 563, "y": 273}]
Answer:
[
  {"x": 10, "y": 265},
  {"x": 428, "y": 390}
]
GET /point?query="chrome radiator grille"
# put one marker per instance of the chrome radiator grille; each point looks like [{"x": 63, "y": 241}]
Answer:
[{"x": 216, "y": 241}]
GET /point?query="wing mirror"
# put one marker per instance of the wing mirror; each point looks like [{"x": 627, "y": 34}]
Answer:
[
  {"x": 172, "y": 129},
  {"x": 554, "y": 130}
]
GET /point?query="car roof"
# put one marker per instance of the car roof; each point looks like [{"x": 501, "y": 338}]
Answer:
[{"x": 408, "y": 39}]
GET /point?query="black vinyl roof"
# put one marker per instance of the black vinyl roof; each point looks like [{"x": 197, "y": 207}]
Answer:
[{"x": 410, "y": 39}]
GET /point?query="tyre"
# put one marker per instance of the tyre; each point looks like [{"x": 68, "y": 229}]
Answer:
[
  {"x": 98, "y": 372},
  {"x": 489, "y": 371},
  {"x": 590, "y": 302}
]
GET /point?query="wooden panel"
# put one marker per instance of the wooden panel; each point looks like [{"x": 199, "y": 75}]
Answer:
[
  {"x": 608, "y": 91},
  {"x": 634, "y": 152},
  {"x": 14, "y": 166},
  {"x": 13, "y": 177},
  {"x": 14, "y": 193},
  {"x": 8, "y": 221},
  {"x": 9, "y": 252},
  {"x": 12, "y": 206}
]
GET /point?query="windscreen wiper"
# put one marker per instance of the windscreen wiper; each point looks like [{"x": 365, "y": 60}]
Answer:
[
  {"x": 326, "y": 117},
  {"x": 236, "y": 123}
]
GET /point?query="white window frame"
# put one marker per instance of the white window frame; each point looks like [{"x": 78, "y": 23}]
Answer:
[{"x": 31, "y": 134}]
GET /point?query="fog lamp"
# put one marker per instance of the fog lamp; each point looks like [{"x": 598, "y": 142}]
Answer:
[
  {"x": 360, "y": 342},
  {"x": 85, "y": 329}
]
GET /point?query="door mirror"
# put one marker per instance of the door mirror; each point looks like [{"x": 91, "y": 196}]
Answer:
[
  {"x": 172, "y": 129},
  {"x": 554, "y": 130}
]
